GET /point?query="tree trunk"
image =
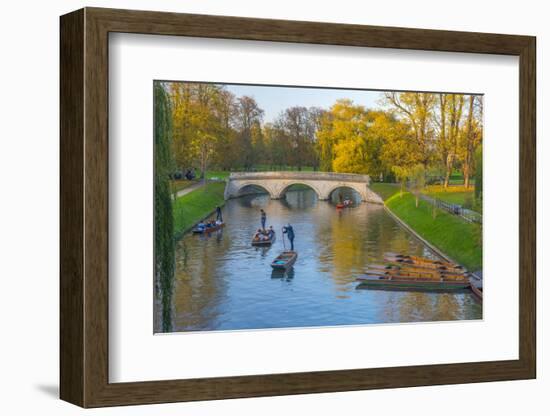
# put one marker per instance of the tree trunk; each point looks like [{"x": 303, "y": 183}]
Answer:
[
  {"x": 466, "y": 173},
  {"x": 448, "y": 171},
  {"x": 469, "y": 144},
  {"x": 203, "y": 166}
]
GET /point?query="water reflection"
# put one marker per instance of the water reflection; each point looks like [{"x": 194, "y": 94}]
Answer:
[{"x": 222, "y": 282}]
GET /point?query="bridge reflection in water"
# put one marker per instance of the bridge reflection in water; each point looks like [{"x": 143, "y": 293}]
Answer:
[{"x": 222, "y": 283}]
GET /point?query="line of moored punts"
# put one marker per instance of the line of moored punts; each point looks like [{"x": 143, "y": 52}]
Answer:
[{"x": 404, "y": 272}]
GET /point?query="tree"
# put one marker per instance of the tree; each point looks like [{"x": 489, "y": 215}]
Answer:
[
  {"x": 296, "y": 129},
  {"x": 418, "y": 181},
  {"x": 478, "y": 190},
  {"x": 180, "y": 104},
  {"x": 456, "y": 103},
  {"x": 164, "y": 226},
  {"x": 225, "y": 154},
  {"x": 400, "y": 151},
  {"x": 417, "y": 108},
  {"x": 248, "y": 113},
  {"x": 325, "y": 141},
  {"x": 471, "y": 137},
  {"x": 315, "y": 119},
  {"x": 402, "y": 174},
  {"x": 198, "y": 117},
  {"x": 449, "y": 125}
]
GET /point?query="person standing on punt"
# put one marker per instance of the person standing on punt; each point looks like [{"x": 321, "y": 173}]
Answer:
[
  {"x": 219, "y": 214},
  {"x": 289, "y": 231},
  {"x": 263, "y": 218}
]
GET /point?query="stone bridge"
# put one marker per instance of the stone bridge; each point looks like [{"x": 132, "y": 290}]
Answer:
[{"x": 277, "y": 183}]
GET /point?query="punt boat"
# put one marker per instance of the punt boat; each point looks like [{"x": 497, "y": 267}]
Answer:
[
  {"x": 420, "y": 261},
  {"x": 285, "y": 260},
  {"x": 208, "y": 230},
  {"x": 420, "y": 272},
  {"x": 370, "y": 281},
  {"x": 266, "y": 242},
  {"x": 477, "y": 290}
]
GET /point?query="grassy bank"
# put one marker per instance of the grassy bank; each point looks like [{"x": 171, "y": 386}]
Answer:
[
  {"x": 191, "y": 208},
  {"x": 385, "y": 190},
  {"x": 453, "y": 236}
]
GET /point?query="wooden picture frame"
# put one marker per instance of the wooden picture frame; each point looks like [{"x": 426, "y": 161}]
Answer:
[{"x": 84, "y": 207}]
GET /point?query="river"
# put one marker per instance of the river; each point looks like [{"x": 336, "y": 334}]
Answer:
[{"x": 223, "y": 283}]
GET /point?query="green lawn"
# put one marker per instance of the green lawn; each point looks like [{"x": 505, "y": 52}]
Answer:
[
  {"x": 453, "y": 236},
  {"x": 224, "y": 175},
  {"x": 191, "y": 208},
  {"x": 385, "y": 190},
  {"x": 457, "y": 178},
  {"x": 217, "y": 175},
  {"x": 454, "y": 195}
]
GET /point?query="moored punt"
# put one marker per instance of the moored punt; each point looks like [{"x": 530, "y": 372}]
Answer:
[
  {"x": 416, "y": 267},
  {"x": 477, "y": 290},
  {"x": 285, "y": 260},
  {"x": 265, "y": 242},
  {"x": 208, "y": 230},
  {"x": 415, "y": 272},
  {"x": 425, "y": 262},
  {"x": 392, "y": 283}
]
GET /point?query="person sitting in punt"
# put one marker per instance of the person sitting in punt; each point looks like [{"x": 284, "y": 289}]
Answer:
[
  {"x": 270, "y": 232},
  {"x": 201, "y": 226},
  {"x": 218, "y": 222}
]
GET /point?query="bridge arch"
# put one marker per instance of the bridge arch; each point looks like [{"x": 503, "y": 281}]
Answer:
[
  {"x": 241, "y": 191},
  {"x": 283, "y": 190},
  {"x": 360, "y": 189}
]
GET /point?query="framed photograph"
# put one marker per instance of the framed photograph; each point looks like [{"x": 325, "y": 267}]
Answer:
[{"x": 255, "y": 207}]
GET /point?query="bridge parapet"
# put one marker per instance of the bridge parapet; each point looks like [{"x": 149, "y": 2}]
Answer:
[{"x": 316, "y": 176}]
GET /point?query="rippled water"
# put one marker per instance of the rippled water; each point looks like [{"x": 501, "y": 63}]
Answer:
[{"x": 223, "y": 283}]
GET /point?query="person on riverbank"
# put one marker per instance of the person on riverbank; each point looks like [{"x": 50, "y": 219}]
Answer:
[
  {"x": 219, "y": 214},
  {"x": 289, "y": 231},
  {"x": 263, "y": 218}
]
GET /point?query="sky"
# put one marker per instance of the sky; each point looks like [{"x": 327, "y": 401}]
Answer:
[{"x": 273, "y": 100}]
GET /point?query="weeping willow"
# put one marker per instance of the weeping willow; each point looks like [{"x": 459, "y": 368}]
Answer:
[{"x": 164, "y": 223}]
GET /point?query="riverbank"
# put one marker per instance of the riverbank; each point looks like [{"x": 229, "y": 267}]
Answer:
[
  {"x": 196, "y": 205},
  {"x": 456, "y": 238}
]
